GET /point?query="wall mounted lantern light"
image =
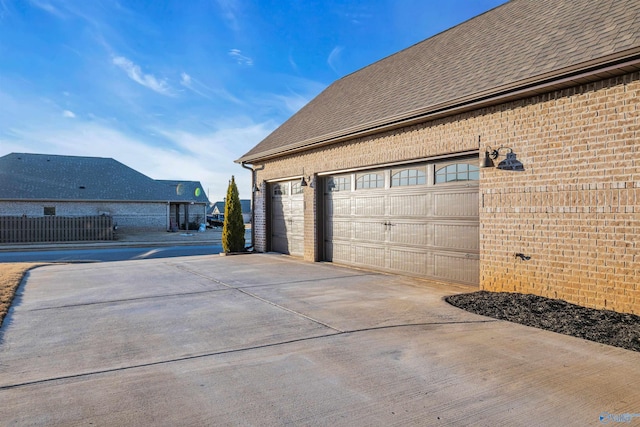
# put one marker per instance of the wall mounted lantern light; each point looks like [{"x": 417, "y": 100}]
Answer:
[
  {"x": 311, "y": 182},
  {"x": 510, "y": 163}
]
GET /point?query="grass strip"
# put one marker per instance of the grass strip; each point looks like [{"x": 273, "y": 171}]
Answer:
[{"x": 11, "y": 275}]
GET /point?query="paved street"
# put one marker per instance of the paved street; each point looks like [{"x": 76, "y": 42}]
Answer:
[
  {"x": 270, "y": 340},
  {"x": 129, "y": 245},
  {"x": 104, "y": 254}
]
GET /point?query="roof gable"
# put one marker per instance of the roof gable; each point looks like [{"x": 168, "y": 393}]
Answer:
[{"x": 508, "y": 46}]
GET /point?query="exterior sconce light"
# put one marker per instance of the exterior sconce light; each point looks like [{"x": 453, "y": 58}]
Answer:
[
  {"x": 304, "y": 183},
  {"x": 510, "y": 163}
]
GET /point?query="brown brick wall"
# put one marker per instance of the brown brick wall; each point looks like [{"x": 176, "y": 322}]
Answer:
[{"x": 575, "y": 209}]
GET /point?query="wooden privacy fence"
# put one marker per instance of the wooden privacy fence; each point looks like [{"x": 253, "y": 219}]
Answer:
[{"x": 16, "y": 229}]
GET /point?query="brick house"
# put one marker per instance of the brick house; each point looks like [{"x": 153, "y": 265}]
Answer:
[
  {"x": 216, "y": 211},
  {"x": 36, "y": 185},
  {"x": 390, "y": 157}
]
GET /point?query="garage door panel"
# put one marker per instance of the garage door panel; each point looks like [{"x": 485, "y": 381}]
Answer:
[
  {"x": 280, "y": 243},
  {"x": 456, "y": 204},
  {"x": 297, "y": 227},
  {"x": 369, "y": 205},
  {"x": 339, "y": 229},
  {"x": 369, "y": 230},
  {"x": 296, "y": 246},
  {"x": 277, "y": 208},
  {"x": 339, "y": 252},
  {"x": 456, "y": 236},
  {"x": 371, "y": 256},
  {"x": 409, "y": 205},
  {"x": 457, "y": 267},
  {"x": 413, "y": 262},
  {"x": 339, "y": 207},
  {"x": 410, "y": 233}
]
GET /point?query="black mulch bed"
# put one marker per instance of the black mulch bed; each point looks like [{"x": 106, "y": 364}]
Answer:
[{"x": 603, "y": 326}]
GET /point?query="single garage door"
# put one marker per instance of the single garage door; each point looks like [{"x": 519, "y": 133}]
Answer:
[
  {"x": 287, "y": 218},
  {"x": 417, "y": 219}
]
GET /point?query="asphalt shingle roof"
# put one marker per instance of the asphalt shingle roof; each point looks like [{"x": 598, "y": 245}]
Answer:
[
  {"x": 52, "y": 177},
  {"x": 244, "y": 203},
  {"x": 515, "y": 42}
]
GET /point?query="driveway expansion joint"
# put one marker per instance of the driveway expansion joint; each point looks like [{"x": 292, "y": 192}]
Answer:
[
  {"x": 230, "y": 351},
  {"x": 243, "y": 291}
]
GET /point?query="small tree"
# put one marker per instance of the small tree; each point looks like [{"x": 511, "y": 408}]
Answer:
[{"x": 233, "y": 228}]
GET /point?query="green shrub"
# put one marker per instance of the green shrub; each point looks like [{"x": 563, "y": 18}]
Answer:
[{"x": 233, "y": 228}]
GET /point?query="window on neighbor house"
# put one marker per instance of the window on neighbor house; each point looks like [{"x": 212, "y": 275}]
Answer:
[
  {"x": 50, "y": 210},
  {"x": 457, "y": 172}
]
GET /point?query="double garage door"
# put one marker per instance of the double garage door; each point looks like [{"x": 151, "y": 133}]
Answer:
[{"x": 418, "y": 219}]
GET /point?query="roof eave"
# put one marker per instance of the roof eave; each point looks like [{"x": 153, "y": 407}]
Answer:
[{"x": 608, "y": 66}]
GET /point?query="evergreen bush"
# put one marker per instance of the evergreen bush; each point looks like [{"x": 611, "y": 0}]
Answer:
[{"x": 233, "y": 228}]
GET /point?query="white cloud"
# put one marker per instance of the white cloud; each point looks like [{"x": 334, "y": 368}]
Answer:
[
  {"x": 147, "y": 80},
  {"x": 293, "y": 63},
  {"x": 230, "y": 10},
  {"x": 240, "y": 58},
  {"x": 68, "y": 114},
  {"x": 185, "y": 79},
  {"x": 206, "y": 91},
  {"x": 4, "y": 10},
  {"x": 334, "y": 56},
  {"x": 293, "y": 102},
  {"x": 47, "y": 7}
]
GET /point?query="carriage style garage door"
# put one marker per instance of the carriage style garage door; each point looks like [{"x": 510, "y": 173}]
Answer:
[
  {"x": 417, "y": 219},
  {"x": 287, "y": 218}
]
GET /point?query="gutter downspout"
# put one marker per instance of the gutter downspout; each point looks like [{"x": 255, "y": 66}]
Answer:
[{"x": 253, "y": 201}]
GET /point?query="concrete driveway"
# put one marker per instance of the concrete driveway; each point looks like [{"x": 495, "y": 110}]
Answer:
[{"x": 269, "y": 340}]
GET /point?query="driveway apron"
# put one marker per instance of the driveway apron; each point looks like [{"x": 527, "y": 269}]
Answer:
[{"x": 272, "y": 340}]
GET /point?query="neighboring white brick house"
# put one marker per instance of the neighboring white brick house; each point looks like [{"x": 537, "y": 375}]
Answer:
[
  {"x": 381, "y": 170},
  {"x": 35, "y": 185}
]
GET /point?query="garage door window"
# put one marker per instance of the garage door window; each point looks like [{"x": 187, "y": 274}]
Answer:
[
  {"x": 280, "y": 189},
  {"x": 370, "y": 180},
  {"x": 457, "y": 172},
  {"x": 296, "y": 188},
  {"x": 339, "y": 183},
  {"x": 408, "y": 177}
]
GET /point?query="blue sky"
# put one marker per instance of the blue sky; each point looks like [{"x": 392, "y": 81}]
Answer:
[{"x": 180, "y": 89}]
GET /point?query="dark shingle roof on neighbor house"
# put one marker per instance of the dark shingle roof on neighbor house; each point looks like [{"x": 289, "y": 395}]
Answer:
[
  {"x": 245, "y": 205},
  {"x": 516, "y": 46},
  {"x": 52, "y": 177}
]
